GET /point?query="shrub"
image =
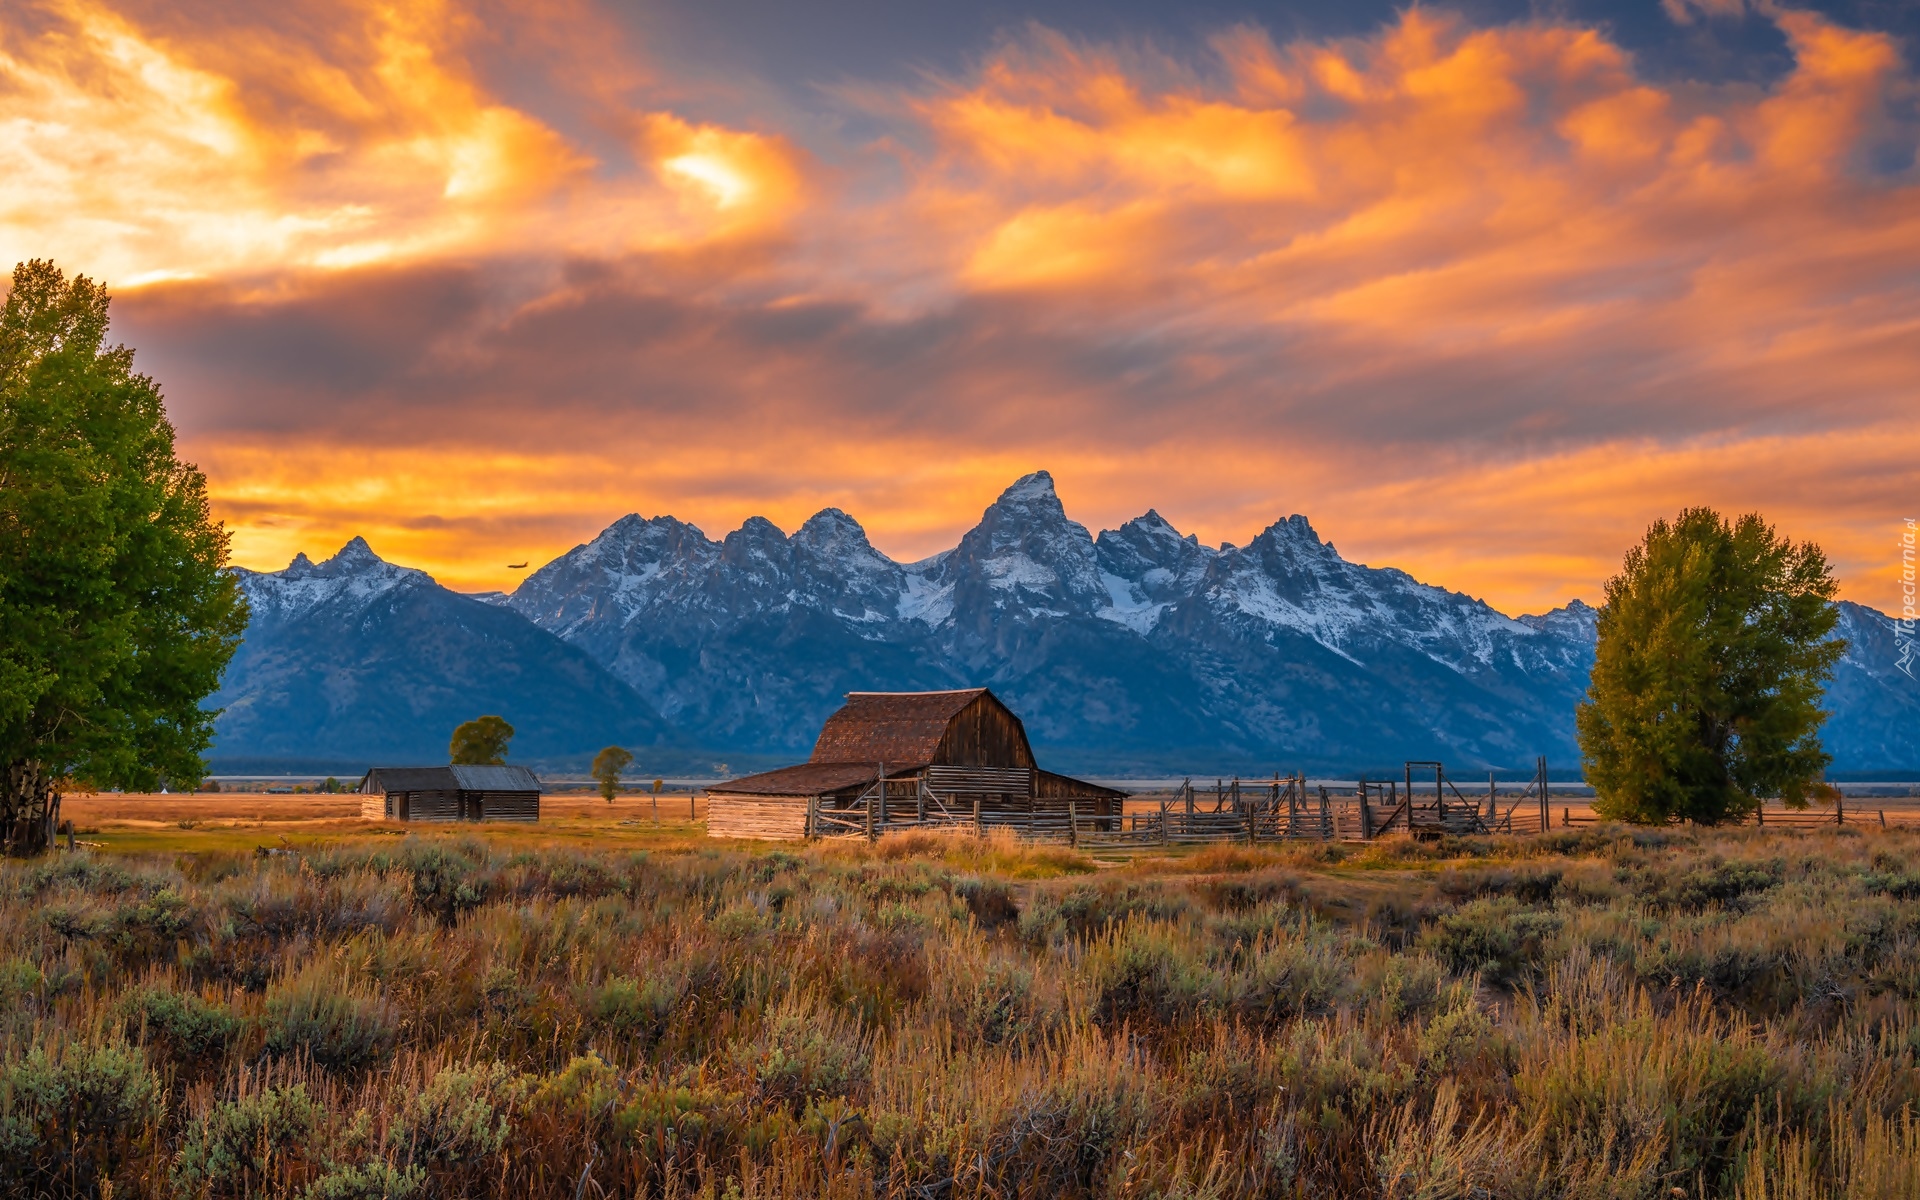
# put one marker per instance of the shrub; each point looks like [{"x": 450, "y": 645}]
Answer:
[
  {"x": 638, "y": 1009},
  {"x": 462, "y": 1118},
  {"x": 1290, "y": 979},
  {"x": 804, "y": 1052},
  {"x": 71, "y": 1114},
  {"x": 185, "y": 1027},
  {"x": 336, "y": 1027},
  {"x": 989, "y": 900},
  {"x": 250, "y": 1145},
  {"x": 988, "y": 1003},
  {"x": 1495, "y": 937},
  {"x": 1719, "y": 883},
  {"x": 446, "y": 884},
  {"x": 1146, "y": 972}
]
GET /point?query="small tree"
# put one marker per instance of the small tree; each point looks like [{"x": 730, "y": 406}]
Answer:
[
  {"x": 481, "y": 742},
  {"x": 607, "y": 766},
  {"x": 117, "y": 615},
  {"x": 1714, "y": 651}
]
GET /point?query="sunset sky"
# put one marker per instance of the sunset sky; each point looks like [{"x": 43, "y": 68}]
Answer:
[{"x": 1482, "y": 290}]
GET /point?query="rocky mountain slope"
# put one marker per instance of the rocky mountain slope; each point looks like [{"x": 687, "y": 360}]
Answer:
[
  {"x": 356, "y": 660},
  {"x": 1138, "y": 649}
]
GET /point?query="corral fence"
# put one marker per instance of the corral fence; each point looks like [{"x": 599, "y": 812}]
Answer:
[
  {"x": 1775, "y": 815},
  {"x": 1424, "y": 802}
]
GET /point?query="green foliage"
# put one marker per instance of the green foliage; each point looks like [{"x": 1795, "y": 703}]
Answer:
[
  {"x": 607, "y": 766},
  {"x": 461, "y": 1119},
  {"x": 70, "y": 1114},
  {"x": 1714, "y": 652},
  {"x": 116, "y": 616},
  {"x": 245, "y": 1146},
  {"x": 185, "y": 1027},
  {"x": 481, "y": 742},
  {"x": 1495, "y": 937}
]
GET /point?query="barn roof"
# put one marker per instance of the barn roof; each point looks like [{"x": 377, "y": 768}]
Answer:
[
  {"x": 807, "y": 779},
  {"x": 451, "y": 779},
  {"x": 890, "y": 727},
  {"x": 495, "y": 779}
]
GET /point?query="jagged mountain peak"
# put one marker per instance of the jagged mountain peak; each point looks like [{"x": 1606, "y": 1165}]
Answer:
[
  {"x": 1296, "y": 530},
  {"x": 1576, "y": 620},
  {"x": 353, "y": 574},
  {"x": 356, "y": 557},
  {"x": 1028, "y": 488},
  {"x": 830, "y": 523}
]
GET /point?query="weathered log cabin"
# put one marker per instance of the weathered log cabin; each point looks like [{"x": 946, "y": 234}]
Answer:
[
  {"x": 901, "y": 759},
  {"x": 456, "y": 793}
]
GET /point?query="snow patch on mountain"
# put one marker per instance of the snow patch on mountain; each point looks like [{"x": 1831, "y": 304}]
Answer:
[
  {"x": 1130, "y": 606},
  {"x": 354, "y": 575}
]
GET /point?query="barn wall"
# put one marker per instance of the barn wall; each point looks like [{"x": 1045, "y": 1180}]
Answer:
[
  {"x": 984, "y": 734},
  {"x": 432, "y": 806},
  {"x": 1055, "y": 791},
  {"x": 506, "y": 806},
  {"x": 772, "y": 818},
  {"x": 374, "y": 807}
]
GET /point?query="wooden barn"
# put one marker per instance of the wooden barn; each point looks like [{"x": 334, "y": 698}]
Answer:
[
  {"x": 893, "y": 760},
  {"x": 458, "y": 793}
]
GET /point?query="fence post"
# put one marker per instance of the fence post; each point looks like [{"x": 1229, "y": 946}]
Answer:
[
  {"x": 1540, "y": 780},
  {"x": 1839, "y": 809},
  {"x": 979, "y": 830},
  {"x": 1566, "y": 817},
  {"x": 1073, "y": 826},
  {"x": 1366, "y": 813}
]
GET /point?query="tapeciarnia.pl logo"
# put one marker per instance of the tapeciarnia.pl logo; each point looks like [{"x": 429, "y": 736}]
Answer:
[{"x": 1904, "y": 625}]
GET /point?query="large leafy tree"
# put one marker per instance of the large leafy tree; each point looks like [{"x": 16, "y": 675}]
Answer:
[
  {"x": 1715, "y": 649},
  {"x": 481, "y": 742},
  {"x": 116, "y": 614}
]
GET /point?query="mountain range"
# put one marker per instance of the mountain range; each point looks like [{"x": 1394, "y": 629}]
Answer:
[{"x": 1136, "y": 650}]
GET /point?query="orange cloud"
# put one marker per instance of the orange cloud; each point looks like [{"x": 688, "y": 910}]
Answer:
[
  {"x": 142, "y": 156},
  {"x": 1481, "y": 300}
]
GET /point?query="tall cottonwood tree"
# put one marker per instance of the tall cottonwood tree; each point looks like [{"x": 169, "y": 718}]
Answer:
[
  {"x": 1715, "y": 649},
  {"x": 117, "y": 616}
]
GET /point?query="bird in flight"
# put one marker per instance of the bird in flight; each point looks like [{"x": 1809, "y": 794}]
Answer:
[{"x": 516, "y": 566}]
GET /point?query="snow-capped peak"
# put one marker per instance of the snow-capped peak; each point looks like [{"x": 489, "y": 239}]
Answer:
[
  {"x": 1036, "y": 486},
  {"x": 1576, "y": 620},
  {"x": 354, "y": 573}
]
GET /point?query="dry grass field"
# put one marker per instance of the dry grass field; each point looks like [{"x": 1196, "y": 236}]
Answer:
[{"x": 262, "y": 996}]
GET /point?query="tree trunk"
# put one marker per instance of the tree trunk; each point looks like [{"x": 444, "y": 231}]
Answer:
[{"x": 28, "y": 808}]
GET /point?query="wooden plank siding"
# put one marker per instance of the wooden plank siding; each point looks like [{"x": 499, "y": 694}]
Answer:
[{"x": 985, "y": 733}]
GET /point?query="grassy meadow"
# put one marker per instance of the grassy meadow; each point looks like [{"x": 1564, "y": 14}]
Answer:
[{"x": 243, "y": 1010}]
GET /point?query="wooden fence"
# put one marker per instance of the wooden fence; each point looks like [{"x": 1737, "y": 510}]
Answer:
[
  {"x": 1284, "y": 808},
  {"x": 1842, "y": 815}
]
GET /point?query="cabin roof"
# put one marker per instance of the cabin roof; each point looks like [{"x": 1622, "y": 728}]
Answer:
[
  {"x": 891, "y": 727},
  {"x": 451, "y": 779},
  {"x": 806, "y": 779}
]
